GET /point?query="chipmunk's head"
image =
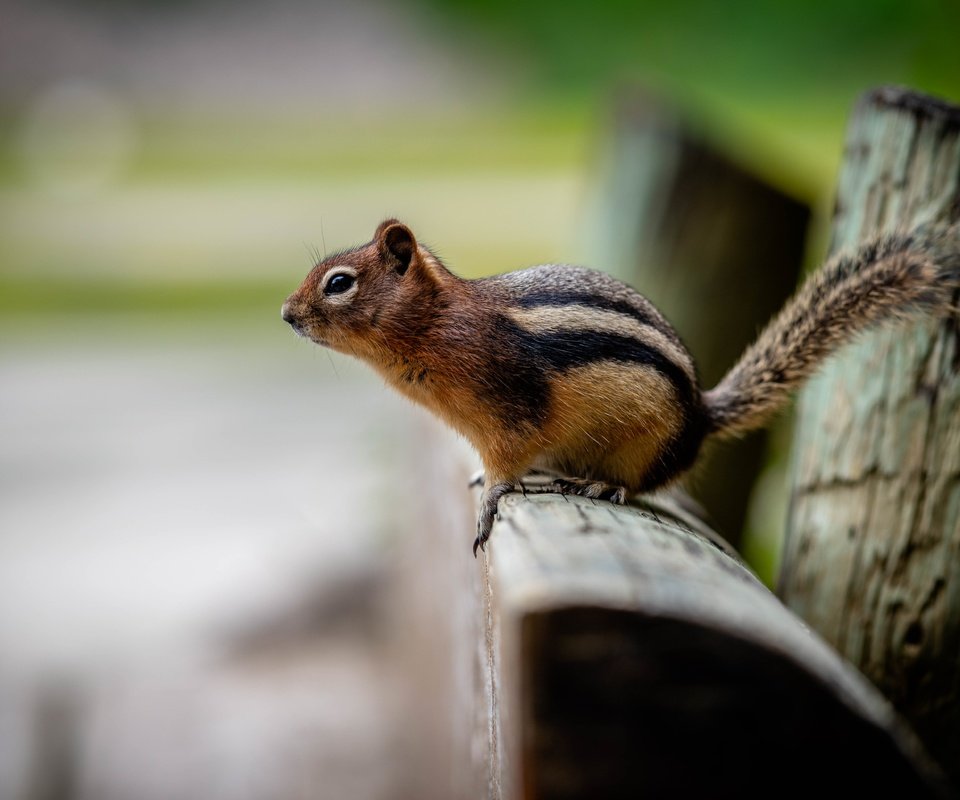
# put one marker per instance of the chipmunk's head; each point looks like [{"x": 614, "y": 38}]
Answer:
[{"x": 358, "y": 300}]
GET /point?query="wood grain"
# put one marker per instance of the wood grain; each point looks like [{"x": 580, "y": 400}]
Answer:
[
  {"x": 633, "y": 654},
  {"x": 872, "y": 557}
]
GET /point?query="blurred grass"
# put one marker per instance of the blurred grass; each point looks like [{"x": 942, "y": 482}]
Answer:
[
  {"x": 241, "y": 148},
  {"x": 773, "y": 81},
  {"x": 213, "y": 212},
  {"x": 796, "y": 50},
  {"x": 216, "y": 214},
  {"x": 306, "y": 149},
  {"x": 216, "y": 217},
  {"x": 216, "y": 210},
  {"x": 99, "y": 296}
]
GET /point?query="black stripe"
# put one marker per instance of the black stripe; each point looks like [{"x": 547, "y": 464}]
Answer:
[
  {"x": 522, "y": 383},
  {"x": 548, "y": 297},
  {"x": 680, "y": 454},
  {"x": 522, "y": 369},
  {"x": 565, "y": 350},
  {"x": 519, "y": 385}
]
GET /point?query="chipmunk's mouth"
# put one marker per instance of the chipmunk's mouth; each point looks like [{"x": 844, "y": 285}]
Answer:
[
  {"x": 299, "y": 328},
  {"x": 303, "y": 333}
]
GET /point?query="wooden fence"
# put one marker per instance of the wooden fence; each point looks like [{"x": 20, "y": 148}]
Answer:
[{"x": 629, "y": 652}]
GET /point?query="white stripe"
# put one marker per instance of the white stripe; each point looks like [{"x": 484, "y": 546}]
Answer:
[{"x": 573, "y": 317}]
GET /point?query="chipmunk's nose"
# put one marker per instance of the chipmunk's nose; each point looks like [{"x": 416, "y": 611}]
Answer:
[{"x": 287, "y": 314}]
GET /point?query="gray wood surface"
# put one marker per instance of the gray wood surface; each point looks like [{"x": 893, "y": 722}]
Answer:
[
  {"x": 213, "y": 572},
  {"x": 871, "y": 557},
  {"x": 631, "y": 653},
  {"x": 717, "y": 248}
]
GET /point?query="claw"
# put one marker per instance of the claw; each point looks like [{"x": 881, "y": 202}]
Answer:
[
  {"x": 484, "y": 526},
  {"x": 477, "y": 479},
  {"x": 488, "y": 513}
]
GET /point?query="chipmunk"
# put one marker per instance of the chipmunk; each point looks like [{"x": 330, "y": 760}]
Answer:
[{"x": 567, "y": 370}]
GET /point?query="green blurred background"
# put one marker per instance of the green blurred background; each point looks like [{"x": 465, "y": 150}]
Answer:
[
  {"x": 163, "y": 162},
  {"x": 186, "y": 156},
  {"x": 179, "y": 474}
]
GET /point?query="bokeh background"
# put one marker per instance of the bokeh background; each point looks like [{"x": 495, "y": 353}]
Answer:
[{"x": 211, "y": 578}]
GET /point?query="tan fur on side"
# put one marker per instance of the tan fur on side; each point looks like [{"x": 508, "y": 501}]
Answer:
[
  {"x": 495, "y": 358},
  {"x": 634, "y": 417}
]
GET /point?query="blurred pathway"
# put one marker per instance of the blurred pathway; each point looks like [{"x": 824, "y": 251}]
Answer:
[{"x": 198, "y": 542}]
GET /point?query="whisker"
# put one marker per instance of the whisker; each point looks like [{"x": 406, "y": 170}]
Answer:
[
  {"x": 332, "y": 363},
  {"x": 313, "y": 253}
]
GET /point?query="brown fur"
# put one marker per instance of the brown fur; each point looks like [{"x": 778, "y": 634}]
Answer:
[
  {"x": 886, "y": 279},
  {"x": 431, "y": 335},
  {"x": 571, "y": 371},
  {"x": 424, "y": 331}
]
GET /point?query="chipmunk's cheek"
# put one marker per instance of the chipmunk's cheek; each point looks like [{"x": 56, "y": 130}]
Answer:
[
  {"x": 335, "y": 338},
  {"x": 310, "y": 330}
]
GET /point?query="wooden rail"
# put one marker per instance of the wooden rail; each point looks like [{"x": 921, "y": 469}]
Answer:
[{"x": 630, "y": 653}]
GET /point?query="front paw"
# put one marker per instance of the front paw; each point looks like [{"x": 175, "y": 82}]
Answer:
[
  {"x": 488, "y": 513},
  {"x": 484, "y": 526}
]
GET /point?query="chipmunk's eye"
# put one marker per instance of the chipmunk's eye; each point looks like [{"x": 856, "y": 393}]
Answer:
[{"x": 339, "y": 283}]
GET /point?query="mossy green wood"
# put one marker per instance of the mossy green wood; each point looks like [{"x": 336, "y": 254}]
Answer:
[{"x": 872, "y": 556}]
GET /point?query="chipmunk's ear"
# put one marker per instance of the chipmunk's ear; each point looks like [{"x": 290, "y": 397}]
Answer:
[{"x": 397, "y": 244}]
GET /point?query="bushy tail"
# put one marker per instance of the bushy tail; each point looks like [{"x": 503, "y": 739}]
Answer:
[{"x": 889, "y": 278}]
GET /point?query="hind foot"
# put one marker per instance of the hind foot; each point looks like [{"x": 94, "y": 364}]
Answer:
[{"x": 595, "y": 490}]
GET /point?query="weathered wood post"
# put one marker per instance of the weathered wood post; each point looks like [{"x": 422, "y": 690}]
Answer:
[
  {"x": 717, "y": 248},
  {"x": 629, "y": 653},
  {"x": 872, "y": 556}
]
